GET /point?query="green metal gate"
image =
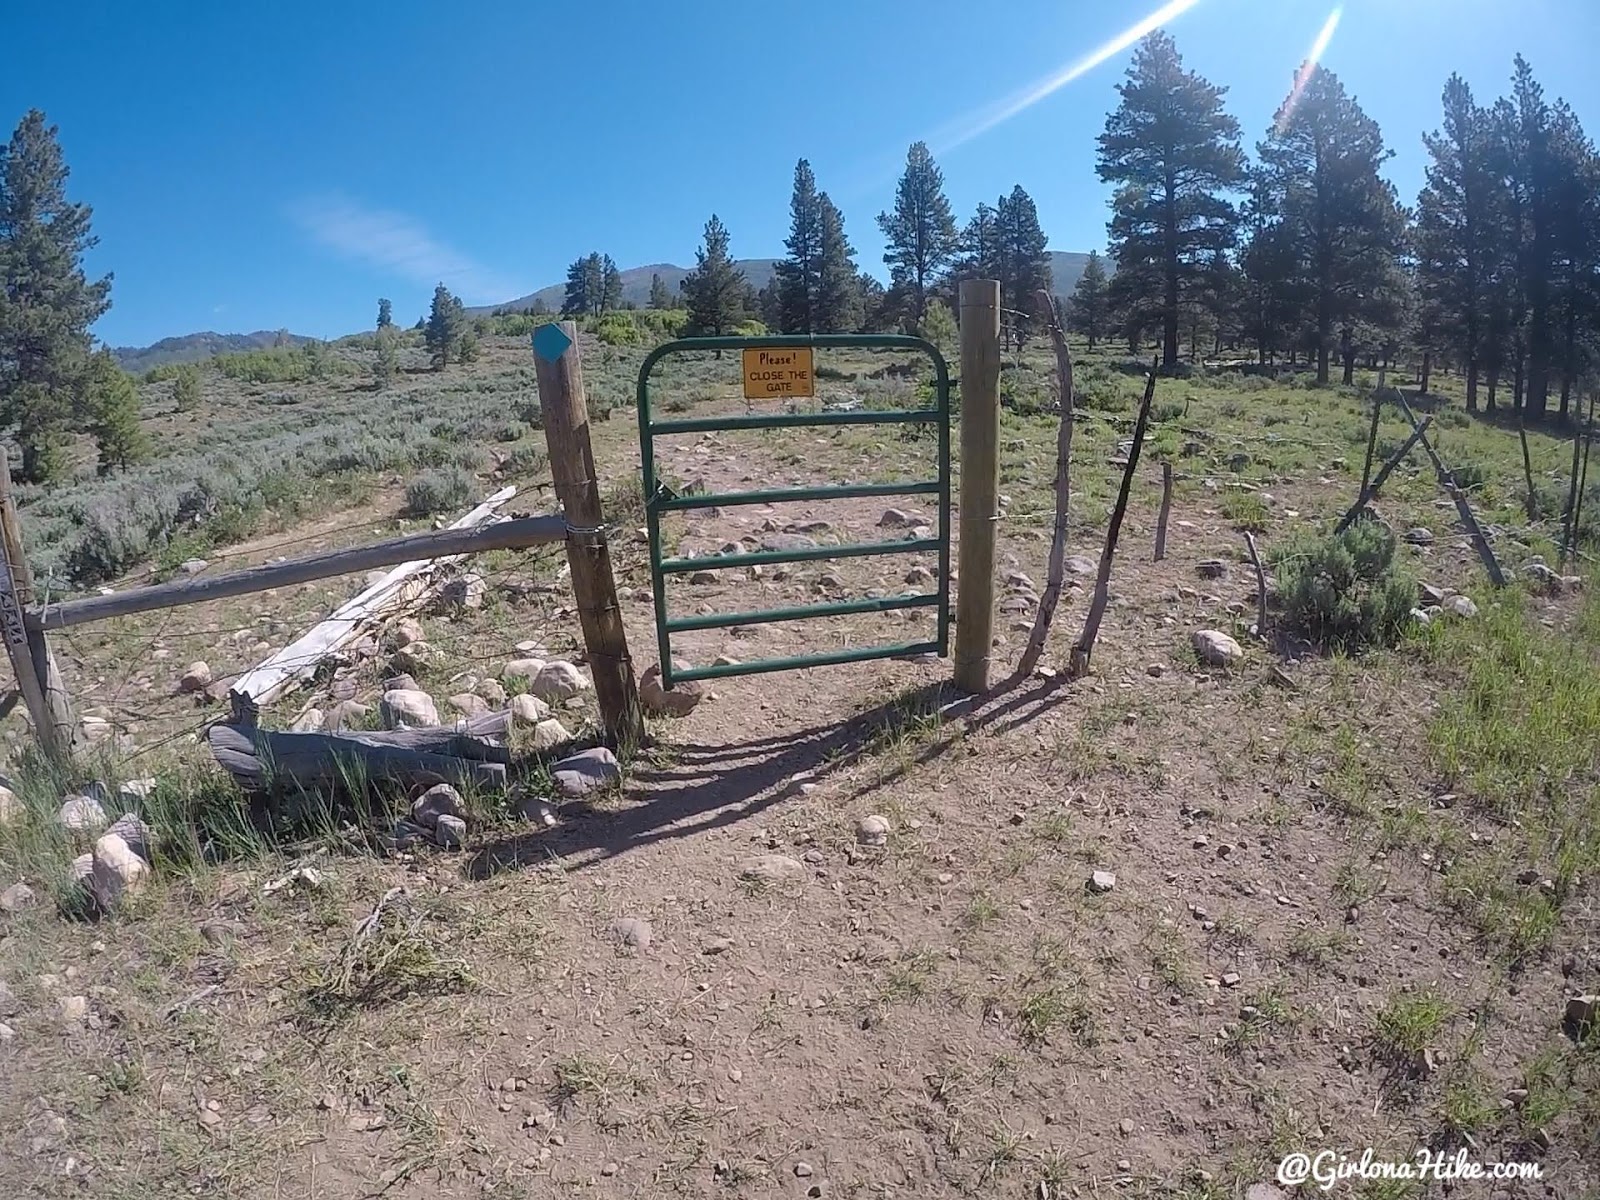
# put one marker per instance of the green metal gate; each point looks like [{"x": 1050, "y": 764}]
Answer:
[{"x": 660, "y": 499}]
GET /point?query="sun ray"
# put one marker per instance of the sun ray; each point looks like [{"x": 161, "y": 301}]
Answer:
[{"x": 1303, "y": 76}]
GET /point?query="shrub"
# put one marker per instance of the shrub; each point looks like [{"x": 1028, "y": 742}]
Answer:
[
  {"x": 441, "y": 490},
  {"x": 1246, "y": 510},
  {"x": 1345, "y": 590}
]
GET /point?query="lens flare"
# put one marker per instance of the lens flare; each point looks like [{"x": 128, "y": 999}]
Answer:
[
  {"x": 980, "y": 124},
  {"x": 1303, "y": 75}
]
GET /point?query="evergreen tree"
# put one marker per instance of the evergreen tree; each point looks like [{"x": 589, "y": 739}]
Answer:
[
  {"x": 610, "y": 286},
  {"x": 186, "y": 389},
  {"x": 980, "y": 246},
  {"x": 386, "y": 357},
  {"x": 1575, "y": 242},
  {"x": 385, "y": 313},
  {"x": 838, "y": 304},
  {"x": 1024, "y": 264},
  {"x": 939, "y": 326},
  {"x": 446, "y": 321},
  {"x": 47, "y": 304},
  {"x": 113, "y": 405},
  {"x": 467, "y": 347},
  {"x": 716, "y": 289},
  {"x": 660, "y": 297},
  {"x": 920, "y": 232},
  {"x": 876, "y": 316},
  {"x": 1086, "y": 311},
  {"x": 798, "y": 273},
  {"x": 1320, "y": 169},
  {"x": 1172, "y": 149}
]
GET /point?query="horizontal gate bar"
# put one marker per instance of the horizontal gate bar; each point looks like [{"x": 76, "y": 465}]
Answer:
[
  {"x": 838, "y": 608},
  {"x": 890, "y": 416},
  {"x": 761, "y": 558},
  {"x": 503, "y": 535},
  {"x": 843, "y": 491},
  {"x": 833, "y": 658}
]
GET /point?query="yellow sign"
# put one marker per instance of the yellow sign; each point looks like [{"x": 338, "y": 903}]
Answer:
[{"x": 769, "y": 373}]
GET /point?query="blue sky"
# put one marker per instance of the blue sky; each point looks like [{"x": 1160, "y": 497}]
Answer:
[{"x": 283, "y": 165}]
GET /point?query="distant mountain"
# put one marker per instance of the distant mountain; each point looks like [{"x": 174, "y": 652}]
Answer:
[
  {"x": 1065, "y": 267},
  {"x": 197, "y": 347}
]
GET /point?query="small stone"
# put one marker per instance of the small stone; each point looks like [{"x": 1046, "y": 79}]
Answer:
[
  {"x": 196, "y": 679},
  {"x": 1264, "y": 1191},
  {"x": 526, "y": 669},
  {"x": 469, "y": 704},
  {"x": 1582, "y": 1014},
  {"x": 579, "y": 774},
  {"x": 1231, "y": 979},
  {"x": 117, "y": 870},
  {"x": 17, "y": 897},
  {"x": 771, "y": 868},
  {"x": 1216, "y": 648},
  {"x": 492, "y": 691},
  {"x": 1155, "y": 670},
  {"x": 406, "y": 631},
  {"x": 466, "y": 591},
  {"x": 609, "y": 1169},
  {"x": 549, "y": 734},
  {"x": 12, "y": 809},
  {"x": 309, "y": 721},
  {"x": 140, "y": 837},
  {"x": 412, "y": 658},
  {"x": 441, "y": 800},
  {"x": 920, "y": 577},
  {"x": 1211, "y": 568},
  {"x": 1419, "y": 536},
  {"x": 1126, "y": 1126},
  {"x": 193, "y": 566},
  {"x": 409, "y": 707},
  {"x": 802, "y": 1170},
  {"x": 1102, "y": 881},
  {"x": 633, "y": 932},
  {"x": 73, "y": 1008},
  {"x": 528, "y": 710},
  {"x": 873, "y": 831},
  {"x": 344, "y": 715},
  {"x": 450, "y": 833},
  {"x": 660, "y": 701},
  {"x": 1461, "y": 606},
  {"x": 82, "y": 814},
  {"x": 328, "y": 1102},
  {"x": 559, "y": 681},
  {"x": 898, "y": 518},
  {"x": 1079, "y": 565},
  {"x": 401, "y": 682},
  {"x": 702, "y": 578},
  {"x": 718, "y": 945}
]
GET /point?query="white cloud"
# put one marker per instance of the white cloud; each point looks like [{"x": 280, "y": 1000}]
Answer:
[{"x": 399, "y": 245}]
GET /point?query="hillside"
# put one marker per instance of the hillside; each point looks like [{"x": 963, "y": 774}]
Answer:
[
  {"x": 197, "y": 347},
  {"x": 1065, "y": 267}
]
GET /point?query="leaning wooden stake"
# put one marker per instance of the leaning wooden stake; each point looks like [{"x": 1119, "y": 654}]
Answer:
[
  {"x": 1261, "y": 585},
  {"x": 1372, "y": 489},
  {"x": 1463, "y": 508},
  {"x": 1058, "y": 546},
  {"x": 1583, "y": 484},
  {"x": 38, "y": 679},
  {"x": 1372, "y": 442},
  {"x": 1572, "y": 501},
  {"x": 1527, "y": 470},
  {"x": 980, "y": 469},
  {"x": 1102, "y": 584},
  {"x": 566, "y": 430},
  {"x": 1166, "y": 511}
]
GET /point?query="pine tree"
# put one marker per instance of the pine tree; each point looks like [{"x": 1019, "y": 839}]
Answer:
[
  {"x": 1320, "y": 170},
  {"x": 875, "y": 313},
  {"x": 385, "y": 314},
  {"x": 113, "y": 406},
  {"x": 1575, "y": 242},
  {"x": 47, "y": 304},
  {"x": 467, "y": 347},
  {"x": 1024, "y": 264},
  {"x": 1172, "y": 149},
  {"x": 939, "y": 326},
  {"x": 610, "y": 286},
  {"x": 660, "y": 297},
  {"x": 920, "y": 232},
  {"x": 446, "y": 320},
  {"x": 186, "y": 389},
  {"x": 578, "y": 296},
  {"x": 716, "y": 289},
  {"x": 1086, "y": 312},
  {"x": 979, "y": 246},
  {"x": 798, "y": 273},
  {"x": 838, "y": 305},
  {"x": 386, "y": 357}
]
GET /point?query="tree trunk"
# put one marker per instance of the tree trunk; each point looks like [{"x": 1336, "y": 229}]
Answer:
[
  {"x": 1322, "y": 363},
  {"x": 1518, "y": 378},
  {"x": 1169, "y": 317},
  {"x": 1566, "y": 394},
  {"x": 1347, "y": 352},
  {"x": 1494, "y": 383},
  {"x": 1472, "y": 385},
  {"x": 1427, "y": 368}
]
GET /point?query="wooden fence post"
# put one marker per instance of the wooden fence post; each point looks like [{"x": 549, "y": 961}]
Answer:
[
  {"x": 34, "y": 666},
  {"x": 980, "y": 474},
  {"x": 566, "y": 431},
  {"x": 1166, "y": 511}
]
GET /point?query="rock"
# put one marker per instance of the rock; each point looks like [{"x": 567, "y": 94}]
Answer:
[
  {"x": 1155, "y": 670},
  {"x": 410, "y": 707},
  {"x": 344, "y": 715},
  {"x": 771, "y": 868},
  {"x": 465, "y": 591},
  {"x": 559, "y": 681},
  {"x": 117, "y": 871},
  {"x": 1077, "y": 564},
  {"x": 469, "y": 704},
  {"x": 492, "y": 691},
  {"x": 1264, "y": 1191},
  {"x": 193, "y": 566},
  {"x": 717, "y": 945},
  {"x": 407, "y": 835},
  {"x": 1126, "y": 1126},
  {"x": 73, "y": 1008},
  {"x": 873, "y": 831},
  {"x": 528, "y": 710},
  {"x": 81, "y": 814},
  {"x": 401, "y": 682},
  {"x": 585, "y": 772},
  {"x": 1020, "y": 582},
  {"x": 441, "y": 800},
  {"x": 310, "y": 721},
  {"x": 658, "y": 701},
  {"x": 1421, "y": 616},
  {"x": 196, "y": 679},
  {"x": 1216, "y": 648},
  {"x": 407, "y": 631},
  {"x": 95, "y": 729},
  {"x": 633, "y": 932},
  {"x": 135, "y": 791},
  {"x": 1582, "y": 1014},
  {"x": 1419, "y": 535},
  {"x": 1432, "y": 594},
  {"x": 411, "y": 658},
  {"x": 1211, "y": 568},
  {"x": 702, "y": 577},
  {"x": 9, "y": 1004},
  {"x": 12, "y": 809},
  {"x": 141, "y": 839},
  {"x": 899, "y": 518},
  {"x": 1231, "y": 979},
  {"x": 1102, "y": 881},
  {"x": 802, "y": 1170},
  {"x": 609, "y": 1169},
  {"x": 79, "y": 870},
  {"x": 920, "y": 577},
  {"x": 787, "y": 541},
  {"x": 14, "y": 899},
  {"x": 533, "y": 808},
  {"x": 450, "y": 833},
  {"x": 548, "y": 734},
  {"x": 522, "y": 668},
  {"x": 1461, "y": 606}
]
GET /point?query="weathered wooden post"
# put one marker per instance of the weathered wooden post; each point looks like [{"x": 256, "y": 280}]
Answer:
[
  {"x": 38, "y": 680},
  {"x": 566, "y": 429},
  {"x": 980, "y": 474},
  {"x": 1166, "y": 511}
]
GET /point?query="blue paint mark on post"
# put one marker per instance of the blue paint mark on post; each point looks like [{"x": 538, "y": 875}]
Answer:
[{"x": 549, "y": 342}]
